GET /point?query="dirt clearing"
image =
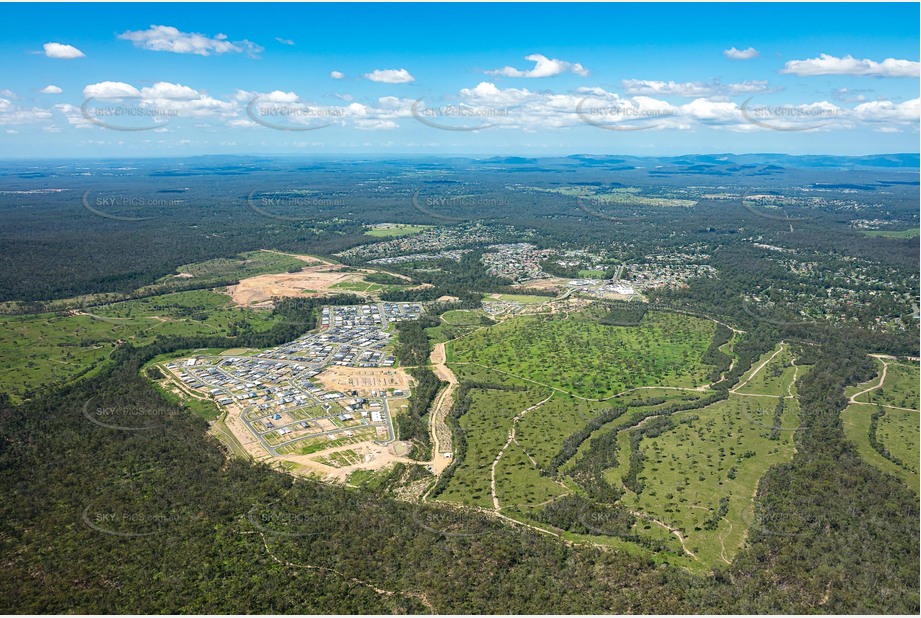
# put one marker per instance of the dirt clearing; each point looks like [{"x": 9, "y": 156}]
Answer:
[{"x": 364, "y": 380}]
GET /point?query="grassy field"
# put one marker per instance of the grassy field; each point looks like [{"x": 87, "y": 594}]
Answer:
[
  {"x": 519, "y": 483},
  {"x": 591, "y": 274},
  {"x": 542, "y": 431},
  {"x": 61, "y": 346},
  {"x": 486, "y": 425},
  {"x": 691, "y": 482},
  {"x": 910, "y": 233},
  {"x": 387, "y": 230},
  {"x": 633, "y": 401},
  {"x": 308, "y": 446},
  {"x": 576, "y": 354},
  {"x": 897, "y": 431},
  {"x": 717, "y": 453},
  {"x": 463, "y": 317},
  {"x": 774, "y": 378},
  {"x": 247, "y": 264},
  {"x": 199, "y": 275},
  {"x": 524, "y": 299},
  {"x": 900, "y": 388}
]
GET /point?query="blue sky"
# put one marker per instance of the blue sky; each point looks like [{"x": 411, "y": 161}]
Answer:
[{"x": 111, "y": 80}]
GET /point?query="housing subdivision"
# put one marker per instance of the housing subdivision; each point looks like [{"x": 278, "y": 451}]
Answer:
[{"x": 332, "y": 387}]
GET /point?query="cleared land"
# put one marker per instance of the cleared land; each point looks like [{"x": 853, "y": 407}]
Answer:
[
  {"x": 62, "y": 347},
  {"x": 894, "y": 391},
  {"x": 486, "y": 426},
  {"x": 897, "y": 431},
  {"x": 363, "y": 380},
  {"x": 388, "y": 230},
  {"x": 899, "y": 388},
  {"x": 910, "y": 233},
  {"x": 574, "y": 353},
  {"x": 689, "y": 487},
  {"x": 717, "y": 453}
]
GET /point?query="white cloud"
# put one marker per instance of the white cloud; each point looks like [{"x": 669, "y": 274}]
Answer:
[
  {"x": 336, "y": 74},
  {"x": 832, "y": 65},
  {"x": 167, "y": 98},
  {"x": 276, "y": 96},
  {"x": 110, "y": 90},
  {"x": 10, "y": 114},
  {"x": 888, "y": 111},
  {"x": 73, "y": 115},
  {"x": 694, "y": 89},
  {"x": 51, "y": 89},
  {"x": 686, "y": 89},
  {"x": 284, "y": 41},
  {"x": 390, "y": 76},
  {"x": 61, "y": 51},
  {"x": 543, "y": 67},
  {"x": 170, "y": 39},
  {"x": 375, "y": 124},
  {"x": 166, "y": 90},
  {"x": 242, "y": 122},
  {"x": 741, "y": 54}
]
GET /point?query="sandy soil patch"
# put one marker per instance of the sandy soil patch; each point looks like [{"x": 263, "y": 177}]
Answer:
[
  {"x": 364, "y": 380},
  {"x": 244, "y": 436},
  {"x": 374, "y": 457},
  {"x": 237, "y": 351},
  {"x": 309, "y": 281},
  {"x": 554, "y": 283}
]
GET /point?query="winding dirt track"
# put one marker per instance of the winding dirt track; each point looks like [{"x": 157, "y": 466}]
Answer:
[
  {"x": 442, "y": 441},
  {"x": 511, "y": 438}
]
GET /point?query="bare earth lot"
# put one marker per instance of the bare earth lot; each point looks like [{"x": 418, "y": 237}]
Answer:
[
  {"x": 310, "y": 281},
  {"x": 363, "y": 380}
]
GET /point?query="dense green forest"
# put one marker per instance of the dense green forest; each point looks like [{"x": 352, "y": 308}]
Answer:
[
  {"x": 836, "y": 534},
  {"x": 160, "y": 520}
]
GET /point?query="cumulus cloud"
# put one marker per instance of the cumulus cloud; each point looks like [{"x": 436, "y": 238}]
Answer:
[
  {"x": 375, "y": 124},
  {"x": 832, "y": 65},
  {"x": 284, "y": 41},
  {"x": 11, "y": 114},
  {"x": 741, "y": 54},
  {"x": 889, "y": 111},
  {"x": 110, "y": 90},
  {"x": 165, "y": 97},
  {"x": 170, "y": 39},
  {"x": 336, "y": 74},
  {"x": 389, "y": 76},
  {"x": 51, "y": 89},
  {"x": 543, "y": 67},
  {"x": 61, "y": 51},
  {"x": 694, "y": 89}
]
